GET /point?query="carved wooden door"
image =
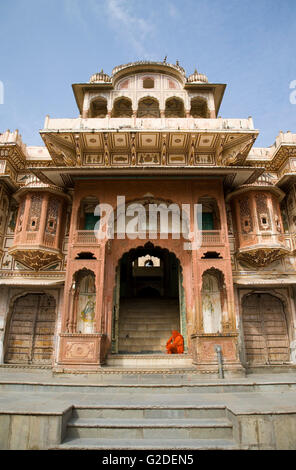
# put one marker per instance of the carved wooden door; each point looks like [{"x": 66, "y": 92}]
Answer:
[
  {"x": 31, "y": 332},
  {"x": 265, "y": 330}
]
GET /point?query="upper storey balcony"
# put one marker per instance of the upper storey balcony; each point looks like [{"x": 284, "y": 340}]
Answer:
[
  {"x": 134, "y": 123},
  {"x": 259, "y": 229},
  {"x": 149, "y": 115},
  {"x": 39, "y": 226}
]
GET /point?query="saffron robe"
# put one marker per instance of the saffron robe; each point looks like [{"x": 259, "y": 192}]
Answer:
[{"x": 175, "y": 344}]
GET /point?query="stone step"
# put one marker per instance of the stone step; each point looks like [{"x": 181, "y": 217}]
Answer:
[
  {"x": 140, "y": 349},
  {"x": 217, "y": 428},
  {"x": 149, "y": 413},
  {"x": 148, "y": 444},
  {"x": 142, "y": 341},
  {"x": 146, "y": 316},
  {"x": 150, "y": 361},
  {"x": 165, "y": 319},
  {"x": 141, "y": 326},
  {"x": 144, "y": 334},
  {"x": 154, "y": 318},
  {"x": 148, "y": 307}
]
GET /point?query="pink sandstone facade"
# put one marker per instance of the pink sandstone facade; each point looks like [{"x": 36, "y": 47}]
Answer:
[{"x": 153, "y": 135}]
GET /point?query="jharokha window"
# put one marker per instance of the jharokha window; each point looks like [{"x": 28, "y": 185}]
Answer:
[
  {"x": 210, "y": 214},
  {"x": 35, "y": 211},
  {"x": 87, "y": 219}
]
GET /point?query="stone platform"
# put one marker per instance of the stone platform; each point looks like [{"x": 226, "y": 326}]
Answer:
[{"x": 42, "y": 410}]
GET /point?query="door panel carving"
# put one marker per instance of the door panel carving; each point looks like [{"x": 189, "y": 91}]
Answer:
[
  {"x": 265, "y": 330},
  {"x": 31, "y": 332}
]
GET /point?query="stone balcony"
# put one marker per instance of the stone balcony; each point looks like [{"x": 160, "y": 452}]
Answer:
[
  {"x": 35, "y": 252},
  {"x": 40, "y": 226},
  {"x": 212, "y": 238},
  {"x": 85, "y": 238},
  {"x": 262, "y": 248},
  {"x": 209, "y": 238},
  {"x": 107, "y": 123}
]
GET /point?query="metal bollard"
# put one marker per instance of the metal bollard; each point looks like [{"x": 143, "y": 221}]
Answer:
[{"x": 218, "y": 350}]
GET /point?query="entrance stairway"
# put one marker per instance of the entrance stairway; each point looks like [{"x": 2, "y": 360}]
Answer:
[
  {"x": 148, "y": 427},
  {"x": 145, "y": 325},
  {"x": 41, "y": 409}
]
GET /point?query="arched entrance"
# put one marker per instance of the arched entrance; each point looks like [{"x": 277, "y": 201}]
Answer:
[
  {"x": 31, "y": 330},
  {"x": 265, "y": 329},
  {"x": 149, "y": 301}
]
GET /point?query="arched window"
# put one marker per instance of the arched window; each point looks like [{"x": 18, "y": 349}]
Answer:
[
  {"x": 148, "y": 108},
  {"x": 213, "y": 300},
  {"x": 199, "y": 108},
  {"x": 86, "y": 217},
  {"x": 122, "y": 108},
  {"x": 98, "y": 108},
  {"x": 210, "y": 214},
  {"x": 174, "y": 108}
]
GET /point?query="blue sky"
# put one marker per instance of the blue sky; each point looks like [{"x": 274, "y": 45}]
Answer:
[{"x": 46, "y": 45}]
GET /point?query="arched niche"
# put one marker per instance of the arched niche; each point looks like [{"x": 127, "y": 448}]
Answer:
[
  {"x": 98, "y": 108},
  {"x": 86, "y": 218},
  {"x": 148, "y": 107},
  {"x": 122, "y": 108},
  {"x": 210, "y": 213},
  {"x": 199, "y": 108},
  {"x": 84, "y": 301},
  {"x": 148, "y": 82},
  {"x": 174, "y": 108},
  {"x": 213, "y": 300}
]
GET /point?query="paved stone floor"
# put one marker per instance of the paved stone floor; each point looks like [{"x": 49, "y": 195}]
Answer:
[{"x": 53, "y": 396}]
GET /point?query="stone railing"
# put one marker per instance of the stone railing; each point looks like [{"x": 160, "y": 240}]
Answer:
[
  {"x": 147, "y": 123},
  {"x": 212, "y": 238},
  {"x": 32, "y": 238},
  {"x": 267, "y": 238},
  {"x": 85, "y": 237}
]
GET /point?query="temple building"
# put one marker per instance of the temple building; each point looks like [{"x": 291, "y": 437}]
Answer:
[{"x": 151, "y": 136}]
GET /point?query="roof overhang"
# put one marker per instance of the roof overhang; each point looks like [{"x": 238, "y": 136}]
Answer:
[
  {"x": 232, "y": 176},
  {"x": 218, "y": 90},
  {"x": 79, "y": 90}
]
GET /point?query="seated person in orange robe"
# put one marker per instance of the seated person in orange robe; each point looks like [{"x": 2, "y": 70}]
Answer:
[{"x": 175, "y": 344}]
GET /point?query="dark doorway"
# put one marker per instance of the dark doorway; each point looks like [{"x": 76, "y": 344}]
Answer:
[{"x": 148, "y": 307}]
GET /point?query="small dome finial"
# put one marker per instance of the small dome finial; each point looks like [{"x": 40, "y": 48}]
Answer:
[
  {"x": 100, "y": 77},
  {"x": 197, "y": 77}
]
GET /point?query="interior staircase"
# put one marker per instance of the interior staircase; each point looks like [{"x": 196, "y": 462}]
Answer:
[{"x": 145, "y": 325}]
